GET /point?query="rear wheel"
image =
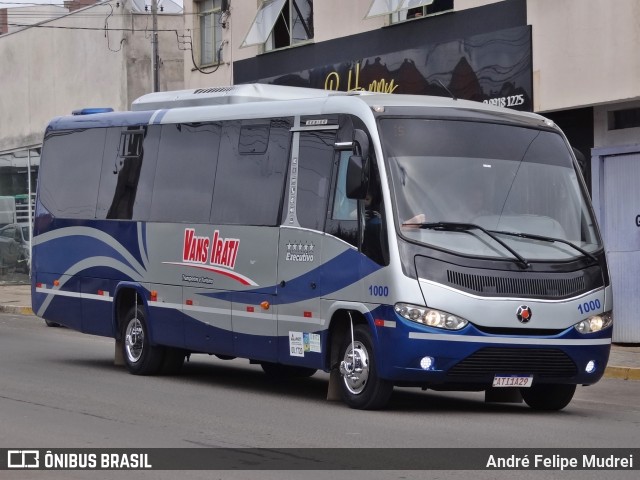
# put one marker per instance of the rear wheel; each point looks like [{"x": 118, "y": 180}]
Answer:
[
  {"x": 361, "y": 386},
  {"x": 283, "y": 372},
  {"x": 140, "y": 356},
  {"x": 548, "y": 396}
]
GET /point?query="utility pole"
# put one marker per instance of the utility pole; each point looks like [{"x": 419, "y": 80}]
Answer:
[{"x": 154, "y": 42}]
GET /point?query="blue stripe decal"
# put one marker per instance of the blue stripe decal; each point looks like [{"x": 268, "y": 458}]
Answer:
[
  {"x": 346, "y": 269},
  {"x": 157, "y": 118},
  {"x": 62, "y": 253}
]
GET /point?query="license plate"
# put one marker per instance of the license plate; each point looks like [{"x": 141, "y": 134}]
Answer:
[{"x": 512, "y": 381}]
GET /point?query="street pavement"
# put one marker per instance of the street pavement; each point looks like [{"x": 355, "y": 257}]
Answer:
[{"x": 624, "y": 361}]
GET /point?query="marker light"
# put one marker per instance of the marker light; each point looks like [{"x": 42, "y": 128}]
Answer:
[
  {"x": 430, "y": 317},
  {"x": 591, "y": 367},
  {"x": 91, "y": 111},
  {"x": 595, "y": 323}
]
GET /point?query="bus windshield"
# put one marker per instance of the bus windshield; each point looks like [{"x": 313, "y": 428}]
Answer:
[{"x": 505, "y": 179}]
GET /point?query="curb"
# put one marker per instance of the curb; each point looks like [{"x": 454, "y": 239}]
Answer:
[
  {"x": 621, "y": 373},
  {"x": 15, "y": 309}
]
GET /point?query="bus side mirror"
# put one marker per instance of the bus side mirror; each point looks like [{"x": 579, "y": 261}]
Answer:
[
  {"x": 582, "y": 161},
  {"x": 358, "y": 167}
]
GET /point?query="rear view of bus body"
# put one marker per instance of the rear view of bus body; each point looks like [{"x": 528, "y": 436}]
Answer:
[{"x": 387, "y": 239}]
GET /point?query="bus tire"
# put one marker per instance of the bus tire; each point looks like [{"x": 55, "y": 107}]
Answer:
[
  {"x": 278, "y": 371},
  {"x": 361, "y": 386},
  {"x": 548, "y": 396},
  {"x": 140, "y": 357}
]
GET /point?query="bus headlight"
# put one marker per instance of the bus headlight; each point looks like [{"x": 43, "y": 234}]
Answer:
[
  {"x": 595, "y": 323},
  {"x": 430, "y": 317}
]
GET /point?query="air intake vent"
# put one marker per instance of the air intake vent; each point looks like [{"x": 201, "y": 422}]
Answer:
[
  {"x": 541, "y": 287},
  {"x": 487, "y": 362},
  {"x": 213, "y": 90}
]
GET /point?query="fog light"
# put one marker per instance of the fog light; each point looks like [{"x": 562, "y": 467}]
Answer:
[
  {"x": 426, "y": 363},
  {"x": 591, "y": 366}
]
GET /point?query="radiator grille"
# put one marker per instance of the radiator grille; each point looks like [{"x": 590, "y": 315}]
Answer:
[
  {"x": 545, "y": 287},
  {"x": 545, "y": 363}
]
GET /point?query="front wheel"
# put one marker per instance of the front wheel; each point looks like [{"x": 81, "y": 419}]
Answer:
[
  {"x": 548, "y": 396},
  {"x": 360, "y": 384},
  {"x": 140, "y": 357}
]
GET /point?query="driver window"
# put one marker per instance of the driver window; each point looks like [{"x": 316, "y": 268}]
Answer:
[
  {"x": 374, "y": 238},
  {"x": 343, "y": 208}
]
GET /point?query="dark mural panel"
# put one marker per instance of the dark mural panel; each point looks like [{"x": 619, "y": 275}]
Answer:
[{"x": 494, "y": 68}]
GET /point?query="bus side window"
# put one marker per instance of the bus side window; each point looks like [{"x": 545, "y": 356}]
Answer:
[
  {"x": 187, "y": 160},
  {"x": 343, "y": 208},
  {"x": 315, "y": 163},
  {"x": 128, "y": 172},
  {"x": 252, "y": 168},
  {"x": 374, "y": 238},
  {"x": 343, "y": 220},
  {"x": 121, "y": 167},
  {"x": 69, "y": 167}
]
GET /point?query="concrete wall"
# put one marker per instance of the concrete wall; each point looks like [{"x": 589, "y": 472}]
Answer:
[
  {"x": 18, "y": 16},
  {"x": 584, "y": 52},
  {"x": 48, "y": 72},
  {"x": 332, "y": 19},
  {"x": 603, "y": 137}
]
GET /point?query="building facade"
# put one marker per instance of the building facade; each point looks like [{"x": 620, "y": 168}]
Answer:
[
  {"x": 56, "y": 60},
  {"x": 574, "y": 61}
]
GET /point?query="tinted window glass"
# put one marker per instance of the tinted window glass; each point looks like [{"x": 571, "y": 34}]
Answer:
[
  {"x": 185, "y": 172},
  {"x": 254, "y": 139},
  {"x": 343, "y": 222},
  {"x": 315, "y": 162},
  {"x": 70, "y": 172},
  {"x": 125, "y": 150},
  {"x": 249, "y": 187},
  {"x": 343, "y": 208}
]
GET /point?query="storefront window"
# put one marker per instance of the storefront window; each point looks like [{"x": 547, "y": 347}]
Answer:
[{"x": 18, "y": 178}]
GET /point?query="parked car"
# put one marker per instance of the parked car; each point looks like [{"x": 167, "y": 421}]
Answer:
[{"x": 14, "y": 248}]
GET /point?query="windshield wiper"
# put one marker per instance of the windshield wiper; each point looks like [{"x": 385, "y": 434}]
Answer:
[
  {"x": 463, "y": 227},
  {"x": 550, "y": 240}
]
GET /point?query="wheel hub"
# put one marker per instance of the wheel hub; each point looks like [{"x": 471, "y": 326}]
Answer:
[
  {"x": 355, "y": 368},
  {"x": 134, "y": 340}
]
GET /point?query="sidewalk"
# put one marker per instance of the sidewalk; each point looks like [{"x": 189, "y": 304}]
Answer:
[{"x": 624, "y": 361}]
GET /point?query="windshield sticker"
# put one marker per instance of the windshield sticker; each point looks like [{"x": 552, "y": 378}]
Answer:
[
  {"x": 311, "y": 342},
  {"x": 296, "y": 347}
]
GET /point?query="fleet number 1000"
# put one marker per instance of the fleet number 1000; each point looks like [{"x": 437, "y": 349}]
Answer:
[
  {"x": 590, "y": 306},
  {"x": 378, "y": 291}
]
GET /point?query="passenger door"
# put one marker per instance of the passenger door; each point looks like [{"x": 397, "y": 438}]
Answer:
[{"x": 300, "y": 248}]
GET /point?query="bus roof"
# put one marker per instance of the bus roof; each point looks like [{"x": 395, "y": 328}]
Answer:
[
  {"x": 244, "y": 101},
  {"x": 255, "y": 92}
]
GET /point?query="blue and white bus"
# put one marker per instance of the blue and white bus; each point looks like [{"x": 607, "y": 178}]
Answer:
[{"x": 389, "y": 240}]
